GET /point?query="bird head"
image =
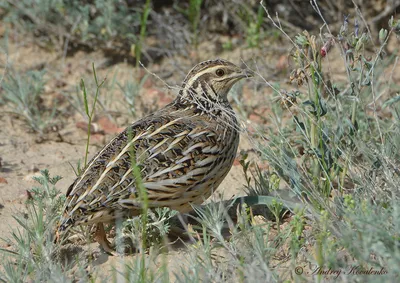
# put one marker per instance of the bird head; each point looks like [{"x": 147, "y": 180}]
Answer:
[{"x": 212, "y": 80}]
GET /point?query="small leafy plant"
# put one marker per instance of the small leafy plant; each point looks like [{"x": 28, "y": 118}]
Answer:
[
  {"x": 31, "y": 245},
  {"x": 23, "y": 94}
]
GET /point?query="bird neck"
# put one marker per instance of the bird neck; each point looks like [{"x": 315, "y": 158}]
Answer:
[
  {"x": 203, "y": 97},
  {"x": 219, "y": 110}
]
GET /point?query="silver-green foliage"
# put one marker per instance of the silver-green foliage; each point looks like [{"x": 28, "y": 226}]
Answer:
[{"x": 22, "y": 92}]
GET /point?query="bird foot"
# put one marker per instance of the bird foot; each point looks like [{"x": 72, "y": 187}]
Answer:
[{"x": 101, "y": 238}]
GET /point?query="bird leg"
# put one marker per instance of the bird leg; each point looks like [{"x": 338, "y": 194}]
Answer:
[{"x": 101, "y": 238}]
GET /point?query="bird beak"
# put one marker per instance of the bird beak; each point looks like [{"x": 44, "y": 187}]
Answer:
[
  {"x": 243, "y": 73},
  {"x": 248, "y": 73}
]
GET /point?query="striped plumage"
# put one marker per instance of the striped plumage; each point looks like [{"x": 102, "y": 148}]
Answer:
[{"x": 183, "y": 151}]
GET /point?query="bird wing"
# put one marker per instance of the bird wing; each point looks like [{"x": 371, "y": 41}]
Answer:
[{"x": 173, "y": 155}]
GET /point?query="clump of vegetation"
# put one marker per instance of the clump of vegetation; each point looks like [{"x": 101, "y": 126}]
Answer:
[
  {"x": 254, "y": 34},
  {"x": 192, "y": 12},
  {"x": 23, "y": 94},
  {"x": 156, "y": 229},
  {"x": 130, "y": 91},
  {"x": 31, "y": 251},
  {"x": 337, "y": 154},
  {"x": 86, "y": 24}
]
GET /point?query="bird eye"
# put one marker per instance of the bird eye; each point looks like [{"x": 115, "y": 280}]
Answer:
[{"x": 220, "y": 72}]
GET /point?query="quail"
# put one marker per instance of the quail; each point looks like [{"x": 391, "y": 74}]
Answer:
[{"x": 182, "y": 151}]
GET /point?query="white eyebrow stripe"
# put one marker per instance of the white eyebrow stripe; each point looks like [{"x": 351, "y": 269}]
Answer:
[{"x": 204, "y": 71}]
